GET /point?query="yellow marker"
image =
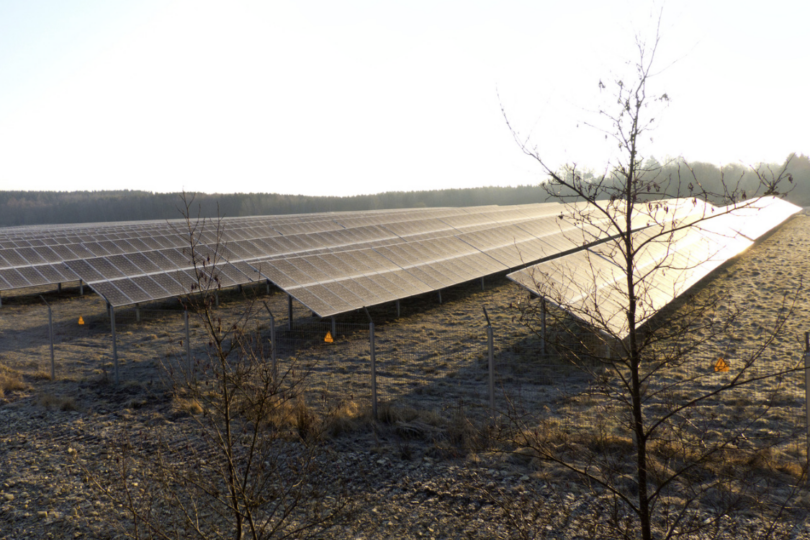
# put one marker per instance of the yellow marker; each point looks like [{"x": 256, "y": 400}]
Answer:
[
  {"x": 81, "y": 321},
  {"x": 721, "y": 365},
  {"x": 328, "y": 338}
]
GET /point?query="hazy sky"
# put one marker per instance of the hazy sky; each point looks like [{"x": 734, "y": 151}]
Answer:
[{"x": 349, "y": 97}]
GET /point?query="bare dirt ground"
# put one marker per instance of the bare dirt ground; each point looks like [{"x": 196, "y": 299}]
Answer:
[{"x": 432, "y": 360}]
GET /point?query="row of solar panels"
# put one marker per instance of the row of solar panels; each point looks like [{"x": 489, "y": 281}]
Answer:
[
  {"x": 243, "y": 228},
  {"x": 60, "y": 246},
  {"x": 24, "y": 267},
  {"x": 480, "y": 241},
  {"x": 342, "y": 280},
  {"x": 399, "y": 255},
  {"x": 591, "y": 284}
]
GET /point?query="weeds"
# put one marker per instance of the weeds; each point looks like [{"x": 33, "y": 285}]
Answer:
[{"x": 61, "y": 403}]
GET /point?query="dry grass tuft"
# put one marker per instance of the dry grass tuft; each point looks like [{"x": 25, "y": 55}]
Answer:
[
  {"x": 10, "y": 381},
  {"x": 466, "y": 433},
  {"x": 772, "y": 461},
  {"x": 40, "y": 375},
  {"x": 295, "y": 417},
  {"x": 346, "y": 417},
  {"x": 307, "y": 423},
  {"x": 184, "y": 405},
  {"x": 62, "y": 403}
]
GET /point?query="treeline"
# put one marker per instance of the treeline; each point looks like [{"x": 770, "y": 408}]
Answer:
[
  {"x": 43, "y": 207},
  {"x": 741, "y": 179}
]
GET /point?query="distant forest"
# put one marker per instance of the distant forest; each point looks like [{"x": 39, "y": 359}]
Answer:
[{"x": 44, "y": 207}]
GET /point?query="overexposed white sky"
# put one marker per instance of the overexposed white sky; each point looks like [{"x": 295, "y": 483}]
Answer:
[{"x": 352, "y": 97}]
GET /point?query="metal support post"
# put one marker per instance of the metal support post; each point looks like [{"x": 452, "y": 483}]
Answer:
[
  {"x": 137, "y": 313},
  {"x": 373, "y": 371},
  {"x": 491, "y": 357},
  {"x": 189, "y": 372},
  {"x": 1, "y": 301},
  {"x": 239, "y": 288},
  {"x": 59, "y": 287},
  {"x": 440, "y": 296},
  {"x": 50, "y": 335},
  {"x": 267, "y": 283},
  {"x": 81, "y": 288},
  {"x": 543, "y": 325},
  {"x": 289, "y": 313},
  {"x": 115, "y": 344},
  {"x": 334, "y": 328},
  {"x": 216, "y": 298},
  {"x": 398, "y": 311}
]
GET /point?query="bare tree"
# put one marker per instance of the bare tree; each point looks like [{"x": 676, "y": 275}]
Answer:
[
  {"x": 251, "y": 470},
  {"x": 642, "y": 352}
]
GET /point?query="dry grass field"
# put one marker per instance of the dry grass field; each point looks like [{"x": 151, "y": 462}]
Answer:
[{"x": 431, "y": 468}]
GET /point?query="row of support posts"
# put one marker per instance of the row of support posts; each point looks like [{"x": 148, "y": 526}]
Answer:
[
  {"x": 189, "y": 364},
  {"x": 50, "y": 332}
]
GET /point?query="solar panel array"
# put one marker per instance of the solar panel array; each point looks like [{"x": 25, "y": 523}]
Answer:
[
  {"x": 670, "y": 258},
  {"x": 330, "y": 262}
]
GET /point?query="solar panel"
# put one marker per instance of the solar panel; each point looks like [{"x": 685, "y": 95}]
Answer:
[
  {"x": 276, "y": 275},
  {"x": 313, "y": 302},
  {"x": 590, "y": 283},
  {"x": 103, "y": 266},
  {"x": 336, "y": 302},
  {"x": 14, "y": 278},
  {"x": 133, "y": 291},
  {"x": 169, "y": 283},
  {"x": 149, "y": 285},
  {"x": 111, "y": 293}
]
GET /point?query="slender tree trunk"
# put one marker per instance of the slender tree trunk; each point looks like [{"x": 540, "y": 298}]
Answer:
[{"x": 635, "y": 354}]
